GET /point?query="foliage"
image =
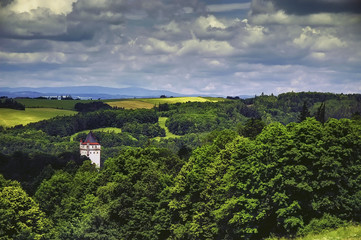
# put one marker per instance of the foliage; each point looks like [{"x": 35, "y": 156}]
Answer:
[
  {"x": 251, "y": 128},
  {"x": 65, "y": 126},
  {"x": 305, "y": 113},
  {"x": 146, "y": 129},
  {"x": 349, "y": 231},
  {"x": 327, "y": 222},
  {"x": 181, "y": 124},
  {"x": 20, "y": 216},
  {"x": 11, "y": 103},
  {"x": 91, "y": 107},
  {"x": 276, "y": 183},
  {"x": 285, "y": 107},
  {"x": 47, "y": 103}
]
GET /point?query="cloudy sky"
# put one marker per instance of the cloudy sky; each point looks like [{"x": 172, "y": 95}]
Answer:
[{"x": 225, "y": 47}]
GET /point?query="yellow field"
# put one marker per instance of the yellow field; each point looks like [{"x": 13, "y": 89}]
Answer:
[
  {"x": 107, "y": 129},
  {"x": 11, "y": 117},
  {"x": 158, "y": 101},
  {"x": 149, "y": 103}
]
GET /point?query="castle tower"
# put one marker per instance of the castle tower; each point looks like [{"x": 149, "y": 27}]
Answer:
[{"x": 91, "y": 148}]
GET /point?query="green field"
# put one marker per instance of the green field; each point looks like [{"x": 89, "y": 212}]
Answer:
[
  {"x": 108, "y": 129},
  {"x": 46, "y": 103},
  {"x": 168, "y": 134},
  {"x": 351, "y": 232},
  {"x": 11, "y": 117}
]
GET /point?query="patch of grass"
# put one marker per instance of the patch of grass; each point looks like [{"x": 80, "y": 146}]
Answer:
[
  {"x": 107, "y": 129},
  {"x": 47, "y": 103},
  {"x": 216, "y": 99},
  {"x": 351, "y": 232},
  {"x": 11, "y": 117},
  {"x": 168, "y": 134},
  {"x": 130, "y": 104}
]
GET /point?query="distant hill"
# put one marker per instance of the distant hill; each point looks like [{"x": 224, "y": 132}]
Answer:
[{"x": 94, "y": 92}]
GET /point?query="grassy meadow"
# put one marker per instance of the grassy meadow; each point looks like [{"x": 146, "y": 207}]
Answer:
[
  {"x": 107, "y": 129},
  {"x": 11, "y": 117},
  {"x": 168, "y": 134},
  {"x": 162, "y": 121}
]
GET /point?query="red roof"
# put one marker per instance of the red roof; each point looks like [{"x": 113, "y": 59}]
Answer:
[{"x": 90, "y": 139}]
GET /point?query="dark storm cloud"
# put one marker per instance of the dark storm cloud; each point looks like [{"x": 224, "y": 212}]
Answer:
[
  {"x": 188, "y": 46},
  {"x": 304, "y": 7},
  {"x": 4, "y": 3}
]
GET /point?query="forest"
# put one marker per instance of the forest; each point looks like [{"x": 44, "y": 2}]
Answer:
[{"x": 284, "y": 166}]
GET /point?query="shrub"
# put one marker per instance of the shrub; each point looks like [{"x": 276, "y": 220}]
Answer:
[{"x": 325, "y": 223}]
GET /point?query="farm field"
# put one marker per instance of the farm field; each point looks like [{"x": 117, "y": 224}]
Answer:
[
  {"x": 11, "y": 117},
  {"x": 158, "y": 101},
  {"x": 130, "y": 104},
  {"x": 149, "y": 103},
  {"x": 46, "y": 103},
  {"x": 108, "y": 129}
]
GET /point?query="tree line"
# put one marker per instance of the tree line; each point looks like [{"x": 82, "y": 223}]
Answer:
[{"x": 11, "y": 103}]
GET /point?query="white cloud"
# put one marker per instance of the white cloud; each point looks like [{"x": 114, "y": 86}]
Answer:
[
  {"x": 57, "y": 7},
  {"x": 172, "y": 27},
  {"x": 248, "y": 35},
  {"x": 206, "y": 48},
  {"x": 158, "y": 46},
  {"x": 317, "y": 40},
  {"x": 318, "y": 55},
  {"x": 209, "y": 22},
  {"x": 16, "y": 58}
]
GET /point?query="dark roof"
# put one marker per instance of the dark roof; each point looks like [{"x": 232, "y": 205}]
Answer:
[{"x": 90, "y": 138}]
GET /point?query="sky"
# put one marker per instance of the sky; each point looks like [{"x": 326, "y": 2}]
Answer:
[{"x": 223, "y": 47}]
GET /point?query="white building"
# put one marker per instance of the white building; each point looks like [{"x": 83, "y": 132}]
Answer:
[{"x": 91, "y": 148}]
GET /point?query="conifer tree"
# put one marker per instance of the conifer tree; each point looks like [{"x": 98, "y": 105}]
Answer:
[
  {"x": 305, "y": 113},
  {"x": 320, "y": 115}
]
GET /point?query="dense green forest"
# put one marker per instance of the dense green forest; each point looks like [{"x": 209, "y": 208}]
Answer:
[{"x": 282, "y": 165}]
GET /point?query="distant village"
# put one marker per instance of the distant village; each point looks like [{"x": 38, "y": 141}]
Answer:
[{"x": 65, "y": 97}]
